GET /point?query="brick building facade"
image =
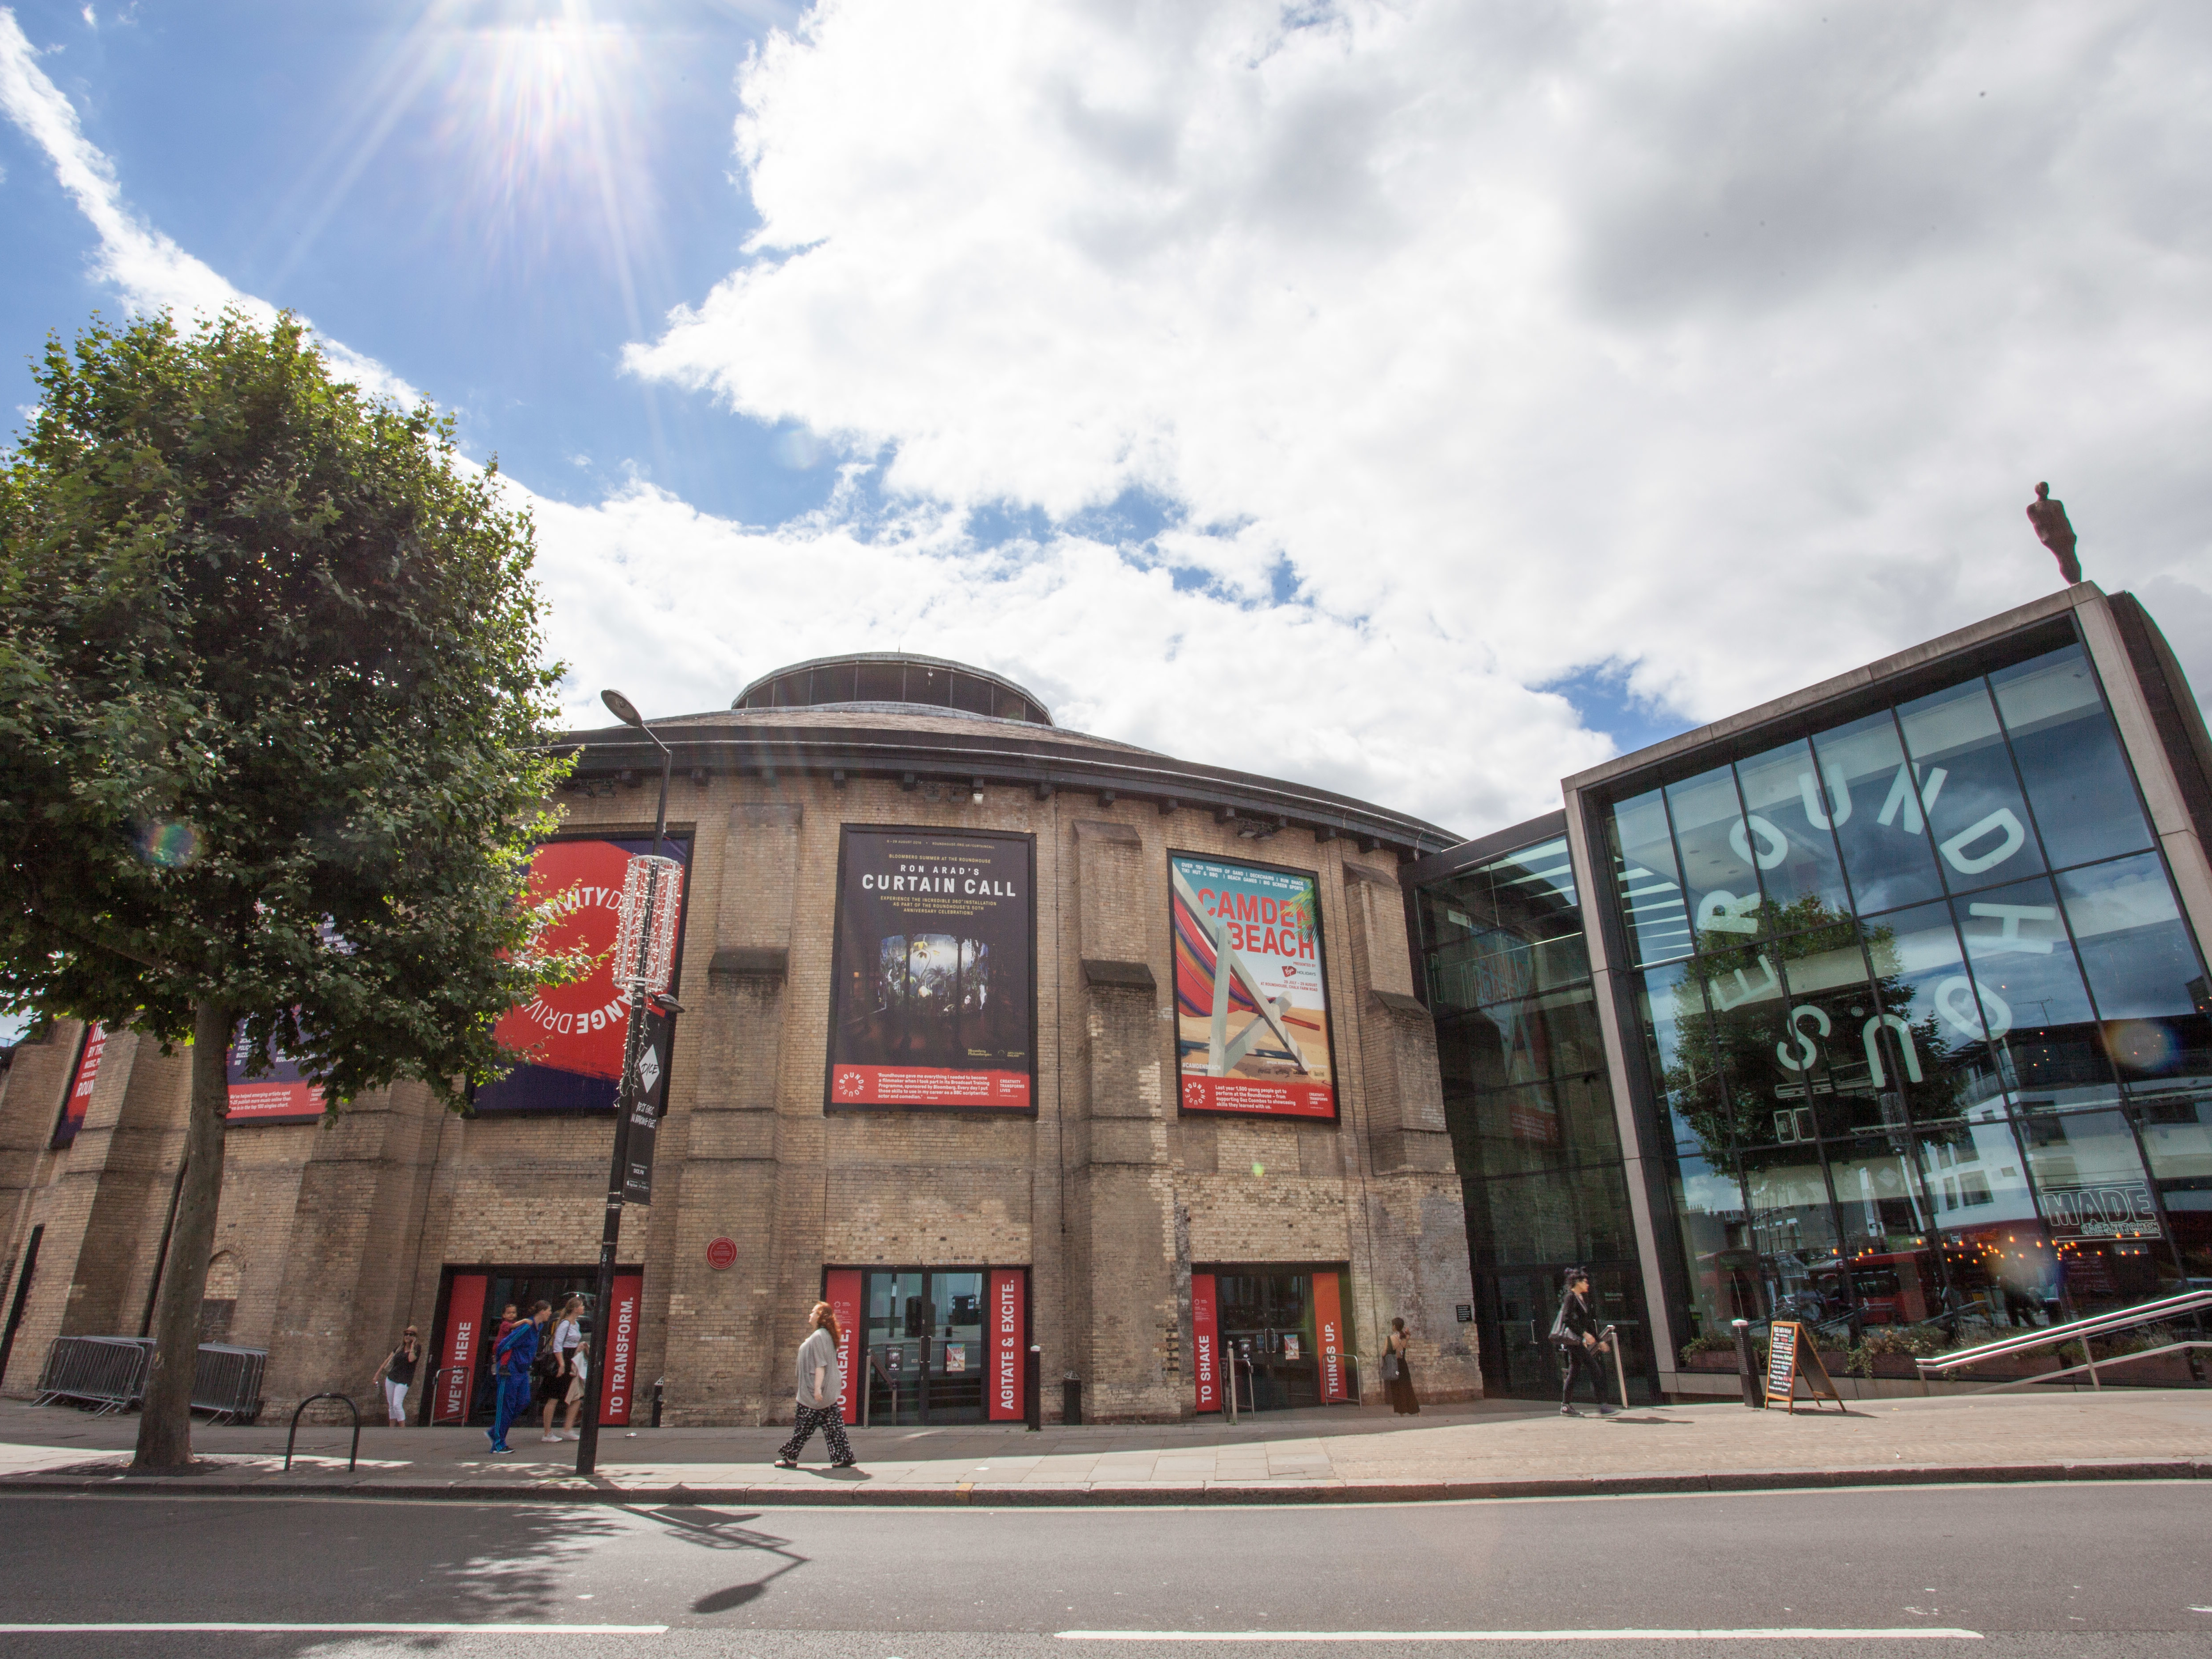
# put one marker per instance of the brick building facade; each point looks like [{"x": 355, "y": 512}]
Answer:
[{"x": 1107, "y": 1198}]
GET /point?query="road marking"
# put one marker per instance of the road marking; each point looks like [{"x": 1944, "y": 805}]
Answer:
[
  {"x": 342, "y": 1630},
  {"x": 1782, "y": 1633}
]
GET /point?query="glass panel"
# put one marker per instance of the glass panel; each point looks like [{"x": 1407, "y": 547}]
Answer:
[
  {"x": 2097, "y": 1207},
  {"x": 1999, "y": 1267},
  {"x": 1505, "y": 930},
  {"x": 2142, "y": 967},
  {"x": 2031, "y": 995},
  {"x": 1745, "y": 990},
  {"x": 1877, "y": 820},
  {"x": 1828, "y": 1052},
  {"x": 1722, "y": 1269},
  {"x": 1683, "y": 1061},
  {"x": 1972, "y": 802},
  {"x": 2069, "y": 759},
  {"x": 1932, "y": 1035},
  {"x": 1787, "y": 822},
  {"x": 1719, "y": 872},
  {"x": 1647, "y": 887},
  {"x": 2176, "y": 1124},
  {"x": 957, "y": 1364},
  {"x": 1268, "y": 1318},
  {"x": 1569, "y": 1215},
  {"x": 1879, "y": 1206},
  {"x": 1793, "y": 1228},
  {"x": 898, "y": 1322}
]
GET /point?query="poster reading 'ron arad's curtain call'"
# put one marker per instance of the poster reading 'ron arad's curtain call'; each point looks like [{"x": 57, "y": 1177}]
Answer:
[
  {"x": 935, "y": 997},
  {"x": 1252, "y": 1032},
  {"x": 570, "y": 1036}
]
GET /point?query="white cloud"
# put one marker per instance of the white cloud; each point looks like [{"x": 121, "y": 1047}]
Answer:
[
  {"x": 1723, "y": 342},
  {"x": 151, "y": 270}
]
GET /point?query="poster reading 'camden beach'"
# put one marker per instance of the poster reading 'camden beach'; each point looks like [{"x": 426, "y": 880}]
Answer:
[
  {"x": 570, "y": 1037},
  {"x": 1252, "y": 1032}
]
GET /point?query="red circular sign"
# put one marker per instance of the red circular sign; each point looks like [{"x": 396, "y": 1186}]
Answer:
[{"x": 721, "y": 1253}]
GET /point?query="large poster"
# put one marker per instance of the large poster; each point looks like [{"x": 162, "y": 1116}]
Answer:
[
  {"x": 1252, "y": 1029},
  {"x": 280, "y": 1095},
  {"x": 81, "y": 1086},
  {"x": 618, "y": 1387},
  {"x": 571, "y": 1037},
  {"x": 934, "y": 1001}
]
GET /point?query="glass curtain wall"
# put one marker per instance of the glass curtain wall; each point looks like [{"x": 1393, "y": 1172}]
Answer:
[
  {"x": 1927, "y": 1033},
  {"x": 1530, "y": 1109}
]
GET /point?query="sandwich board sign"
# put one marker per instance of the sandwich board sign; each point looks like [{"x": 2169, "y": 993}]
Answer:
[{"x": 1793, "y": 1356}]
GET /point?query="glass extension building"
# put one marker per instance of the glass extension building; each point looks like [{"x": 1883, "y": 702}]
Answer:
[{"x": 1882, "y": 1006}]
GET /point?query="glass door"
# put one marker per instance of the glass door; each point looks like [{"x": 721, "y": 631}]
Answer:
[
  {"x": 1518, "y": 1305},
  {"x": 923, "y": 1341}
]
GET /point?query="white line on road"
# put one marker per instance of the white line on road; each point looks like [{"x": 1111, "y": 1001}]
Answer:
[
  {"x": 1778, "y": 1634},
  {"x": 344, "y": 1630}
]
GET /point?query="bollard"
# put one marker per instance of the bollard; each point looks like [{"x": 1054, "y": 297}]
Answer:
[
  {"x": 659, "y": 1389},
  {"x": 1033, "y": 1388},
  {"x": 1751, "y": 1395},
  {"x": 1071, "y": 1400}
]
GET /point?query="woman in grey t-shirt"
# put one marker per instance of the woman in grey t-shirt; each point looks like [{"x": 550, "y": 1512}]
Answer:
[{"x": 821, "y": 1389}]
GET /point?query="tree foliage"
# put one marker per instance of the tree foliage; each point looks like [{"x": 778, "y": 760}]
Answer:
[{"x": 273, "y": 713}]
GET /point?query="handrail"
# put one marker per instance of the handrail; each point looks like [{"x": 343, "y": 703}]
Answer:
[
  {"x": 353, "y": 1456},
  {"x": 2145, "y": 1313}
]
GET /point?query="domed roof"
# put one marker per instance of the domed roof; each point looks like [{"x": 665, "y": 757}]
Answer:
[{"x": 882, "y": 678}]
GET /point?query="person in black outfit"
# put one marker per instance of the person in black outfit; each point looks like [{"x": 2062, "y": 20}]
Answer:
[{"x": 1577, "y": 1333}]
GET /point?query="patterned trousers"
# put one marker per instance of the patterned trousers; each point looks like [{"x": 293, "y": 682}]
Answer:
[{"x": 831, "y": 1419}]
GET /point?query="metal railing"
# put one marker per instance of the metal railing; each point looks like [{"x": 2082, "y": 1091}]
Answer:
[
  {"x": 2079, "y": 1330},
  {"x": 227, "y": 1381},
  {"x": 107, "y": 1373}
]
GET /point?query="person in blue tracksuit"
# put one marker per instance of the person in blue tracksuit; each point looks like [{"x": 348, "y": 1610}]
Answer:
[{"x": 512, "y": 1360}]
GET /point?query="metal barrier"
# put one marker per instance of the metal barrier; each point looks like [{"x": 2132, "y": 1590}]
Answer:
[
  {"x": 107, "y": 1373},
  {"x": 2079, "y": 1330},
  {"x": 353, "y": 1456},
  {"x": 227, "y": 1381}
]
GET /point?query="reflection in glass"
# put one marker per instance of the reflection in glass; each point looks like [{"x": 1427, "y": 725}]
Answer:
[
  {"x": 1786, "y": 811},
  {"x": 1932, "y": 1042},
  {"x": 2143, "y": 970},
  {"x": 1720, "y": 855},
  {"x": 2069, "y": 759},
  {"x": 1679, "y": 1055},
  {"x": 1504, "y": 930},
  {"x": 1793, "y": 1228},
  {"x": 1725, "y": 1274},
  {"x": 1566, "y": 1216},
  {"x": 1967, "y": 789},
  {"x": 2175, "y": 1120},
  {"x": 1830, "y": 1055},
  {"x": 1995, "y": 1258},
  {"x": 1876, "y": 808},
  {"x": 2096, "y": 1204},
  {"x": 1648, "y": 888},
  {"x": 2030, "y": 987}
]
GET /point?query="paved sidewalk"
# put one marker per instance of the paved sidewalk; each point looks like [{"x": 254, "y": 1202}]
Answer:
[{"x": 1511, "y": 1448}]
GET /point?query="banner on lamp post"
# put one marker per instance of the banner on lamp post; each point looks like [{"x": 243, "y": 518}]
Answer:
[{"x": 648, "y": 1105}]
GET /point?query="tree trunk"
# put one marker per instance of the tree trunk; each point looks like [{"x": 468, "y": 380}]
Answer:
[{"x": 165, "y": 1427}]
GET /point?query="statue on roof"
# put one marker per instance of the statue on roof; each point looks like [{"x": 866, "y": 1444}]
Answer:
[{"x": 2053, "y": 530}]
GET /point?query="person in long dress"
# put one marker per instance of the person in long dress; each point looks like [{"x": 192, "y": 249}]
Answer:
[{"x": 1400, "y": 1387}]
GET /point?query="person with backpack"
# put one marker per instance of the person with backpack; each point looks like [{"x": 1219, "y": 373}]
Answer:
[
  {"x": 821, "y": 1390},
  {"x": 513, "y": 1360},
  {"x": 1580, "y": 1342},
  {"x": 565, "y": 1378}
]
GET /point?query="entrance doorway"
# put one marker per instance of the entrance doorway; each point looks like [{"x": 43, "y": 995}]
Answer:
[
  {"x": 924, "y": 1348},
  {"x": 1516, "y": 1307},
  {"x": 459, "y": 1385}
]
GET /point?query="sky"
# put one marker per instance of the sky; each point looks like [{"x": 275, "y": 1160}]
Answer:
[{"x": 1424, "y": 401}]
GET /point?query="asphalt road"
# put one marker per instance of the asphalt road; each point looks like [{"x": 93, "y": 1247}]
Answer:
[{"x": 2120, "y": 1570}]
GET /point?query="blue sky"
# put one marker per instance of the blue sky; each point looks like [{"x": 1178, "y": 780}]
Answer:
[{"x": 1423, "y": 399}]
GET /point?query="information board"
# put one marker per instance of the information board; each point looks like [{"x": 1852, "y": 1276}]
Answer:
[{"x": 1793, "y": 1356}]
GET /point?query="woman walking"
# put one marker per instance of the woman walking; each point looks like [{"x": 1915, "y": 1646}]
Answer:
[
  {"x": 512, "y": 1359},
  {"x": 397, "y": 1374},
  {"x": 1398, "y": 1369},
  {"x": 567, "y": 1385},
  {"x": 821, "y": 1387}
]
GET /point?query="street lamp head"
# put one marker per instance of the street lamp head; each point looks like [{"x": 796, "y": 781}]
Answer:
[{"x": 624, "y": 709}]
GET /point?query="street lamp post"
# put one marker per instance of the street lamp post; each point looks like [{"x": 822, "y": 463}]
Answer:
[{"x": 588, "y": 1447}]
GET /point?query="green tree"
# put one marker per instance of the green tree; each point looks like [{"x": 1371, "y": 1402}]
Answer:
[{"x": 272, "y": 719}]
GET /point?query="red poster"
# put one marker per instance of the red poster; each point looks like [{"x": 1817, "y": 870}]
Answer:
[
  {"x": 80, "y": 1094},
  {"x": 842, "y": 1293},
  {"x": 1328, "y": 1325},
  {"x": 1009, "y": 1344},
  {"x": 570, "y": 1038},
  {"x": 465, "y": 1312},
  {"x": 280, "y": 1095},
  {"x": 621, "y": 1380},
  {"x": 1205, "y": 1343},
  {"x": 1252, "y": 1019}
]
